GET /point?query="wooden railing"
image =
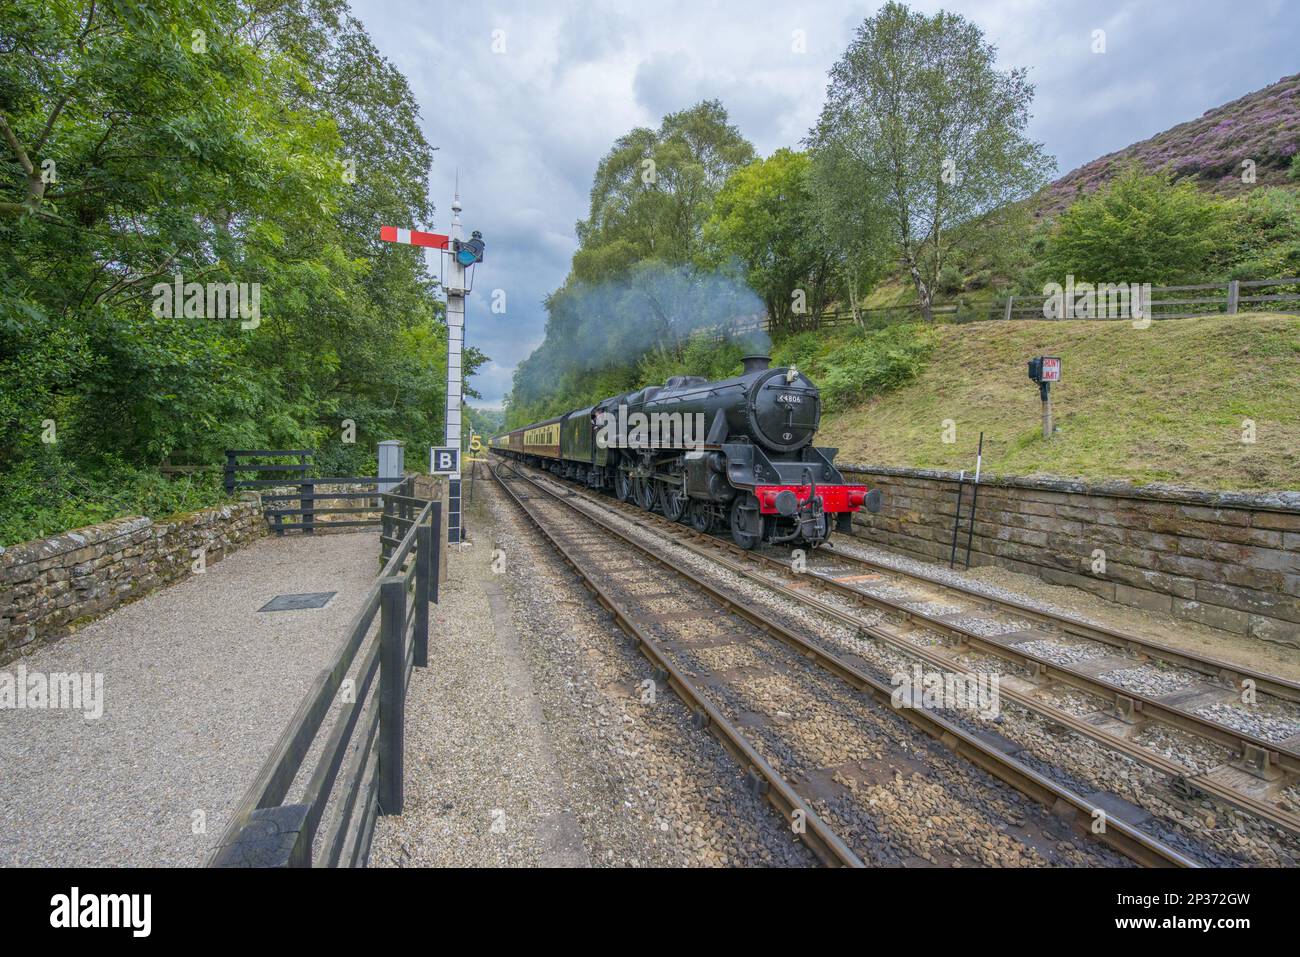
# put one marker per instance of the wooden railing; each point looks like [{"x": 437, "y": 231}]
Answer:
[
  {"x": 1167, "y": 302},
  {"x": 298, "y": 510},
  {"x": 358, "y": 772}
]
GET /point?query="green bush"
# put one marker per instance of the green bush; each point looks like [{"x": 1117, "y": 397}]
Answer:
[
  {"x": 1263, "y": 235},
  {"x": 1140, "y": 227},
  {"x": 45, "y": 495},
  {"x": 951, "y": 280},
  {"x": 859, "y": 362}
]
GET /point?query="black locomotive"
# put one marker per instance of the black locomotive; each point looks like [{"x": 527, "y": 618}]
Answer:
[{"x": 736, "y": 453}]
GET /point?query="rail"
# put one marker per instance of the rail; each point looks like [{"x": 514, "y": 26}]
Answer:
[
  {"x": 298, "y": 510},
  {"x": 357, "y": 773},
  {"x": 1206, "y": 299}
]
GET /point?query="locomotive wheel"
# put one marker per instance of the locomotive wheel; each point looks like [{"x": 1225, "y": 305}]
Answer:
[
  {"x": 746, "y": 521},
  {"x": 643, "y": 492},
  {"x": 672, "y": 501},
  {"x": 700, "y": 515},
  {"x": 622, "y": 485}
]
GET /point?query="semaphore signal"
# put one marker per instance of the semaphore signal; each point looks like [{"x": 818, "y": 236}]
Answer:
[{"x": 464, "y": 254}]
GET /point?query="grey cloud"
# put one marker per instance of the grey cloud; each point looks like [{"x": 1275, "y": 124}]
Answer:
[{"x": 528, "y": 128}]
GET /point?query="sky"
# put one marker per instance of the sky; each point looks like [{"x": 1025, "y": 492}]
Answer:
[{"x": 523, "y": 98}]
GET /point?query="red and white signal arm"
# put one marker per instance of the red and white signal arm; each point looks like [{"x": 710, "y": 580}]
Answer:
[{"x": 1051, "y": 369}]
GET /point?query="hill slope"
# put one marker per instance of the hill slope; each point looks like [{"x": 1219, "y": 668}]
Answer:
[
  {"x": 1163, "y": 404},
  {"x": 1263, "y": 126}
]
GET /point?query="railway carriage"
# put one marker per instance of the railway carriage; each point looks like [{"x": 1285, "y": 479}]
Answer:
[{"x": 734, "y": 453}]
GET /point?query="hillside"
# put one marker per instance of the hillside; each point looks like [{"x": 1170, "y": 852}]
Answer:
[
  {"x": 1263, "y": 126},
  {"x": 1164, "y": 404}
]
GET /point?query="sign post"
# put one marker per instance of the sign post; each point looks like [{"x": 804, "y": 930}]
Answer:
[
  {"x": 464, "y": 255},
  {"x": 1045, "y": 370}
]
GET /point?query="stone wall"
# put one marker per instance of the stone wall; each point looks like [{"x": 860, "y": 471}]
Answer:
[
  {"x": 49, "y": 586},
  {"x": 1227, "y": 559}
]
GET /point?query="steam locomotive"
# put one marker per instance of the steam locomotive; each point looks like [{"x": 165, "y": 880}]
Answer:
[{"x": 736, "y": 453}]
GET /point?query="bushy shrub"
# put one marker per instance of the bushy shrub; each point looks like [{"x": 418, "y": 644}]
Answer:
[
  {"x": 950, "y": 280},
  {"x": 1140, "y": 227},
  {"x": 45, "y": 495},
  {"x": 1263, "y": 235},
  {"x": 859, "y": 362}
]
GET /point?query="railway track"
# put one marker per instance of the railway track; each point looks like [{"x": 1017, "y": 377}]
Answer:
[
  {"x": 740, "y": 671},
  {"x": 1249, "y": 772}
]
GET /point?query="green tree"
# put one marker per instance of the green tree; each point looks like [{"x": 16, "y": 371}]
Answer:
[
  {"x": 765, "y": 216},
  {"x": 225, "y": 141},
  {"x": 857, "y": 232},
  {"x": 653, "y": 190},
  {"x": 934, "y": 132},
  {"x": 1140, "y": 227}
]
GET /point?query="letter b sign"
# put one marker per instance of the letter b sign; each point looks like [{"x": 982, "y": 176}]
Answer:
[{"x": 446, "y": 461}]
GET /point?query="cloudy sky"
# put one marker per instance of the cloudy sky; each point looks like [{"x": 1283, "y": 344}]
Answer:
[{"x": 525, "y": 97}]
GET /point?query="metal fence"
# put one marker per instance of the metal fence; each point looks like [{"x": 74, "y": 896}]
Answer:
[
  {"x": 357, "y": 773},
  {"x": 298, "y": 510}
]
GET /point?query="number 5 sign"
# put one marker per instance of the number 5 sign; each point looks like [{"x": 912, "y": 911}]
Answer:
[{"x": 444, "y": 461}]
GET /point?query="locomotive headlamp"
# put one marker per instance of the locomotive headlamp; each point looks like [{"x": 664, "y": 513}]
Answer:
[
  {"x": 470, "y": 251},
  {"x": 791, "y": 374}
]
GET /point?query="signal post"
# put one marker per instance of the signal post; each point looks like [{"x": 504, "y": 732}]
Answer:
[{"x": 446, "y": 460}]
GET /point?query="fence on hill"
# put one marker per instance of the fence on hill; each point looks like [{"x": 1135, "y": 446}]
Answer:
[{"x": 1166, "y": 302}]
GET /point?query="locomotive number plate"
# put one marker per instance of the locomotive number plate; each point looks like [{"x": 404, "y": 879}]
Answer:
[{"x": 790, "y": 398}]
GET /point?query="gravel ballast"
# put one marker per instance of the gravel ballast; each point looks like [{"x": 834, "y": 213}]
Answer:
[{"x": 531, "y": 739}]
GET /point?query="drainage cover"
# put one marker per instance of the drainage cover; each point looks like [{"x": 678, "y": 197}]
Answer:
[{"x": 314, "y": 599}]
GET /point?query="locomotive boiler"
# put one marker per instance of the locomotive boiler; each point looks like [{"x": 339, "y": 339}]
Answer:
[{"x": 735, "y": 453}]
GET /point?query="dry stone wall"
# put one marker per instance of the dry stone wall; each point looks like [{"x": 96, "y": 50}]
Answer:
[{"x": 1227, "y": 559}]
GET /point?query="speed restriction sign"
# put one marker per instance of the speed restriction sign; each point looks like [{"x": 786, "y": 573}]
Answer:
[{"x": 444, "y": 461}]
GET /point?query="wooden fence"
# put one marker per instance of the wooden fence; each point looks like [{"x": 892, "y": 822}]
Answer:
[
  {"x": 1167, "y": 302},
  {"x": 368, "y": 730},
  {"x": 298, "y": 510}
]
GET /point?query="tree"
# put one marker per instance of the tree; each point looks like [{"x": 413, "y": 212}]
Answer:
[
  {"x": 923, "y": 125},
  {"x": 229, "y": 141},
  {"x": 653, "y": 190},
  {"x": 764, "y": 216},
  {"x": 857, "y": 232},
  {"x": 1139, "y": 228}
]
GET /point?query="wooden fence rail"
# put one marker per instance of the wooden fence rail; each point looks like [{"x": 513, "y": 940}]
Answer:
[
  {"x": 297, "y": 510},
  {"x": 1221, "y": 298},
  {"x": 358, "y": 771}
]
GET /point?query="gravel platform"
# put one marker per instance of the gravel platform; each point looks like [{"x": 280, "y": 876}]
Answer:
[
  {"x": 533, "y": 737},
  {"x": 197, "y": 687}
]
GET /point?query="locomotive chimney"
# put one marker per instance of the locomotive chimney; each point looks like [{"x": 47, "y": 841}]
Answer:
[{"x": 756, "y": 363}]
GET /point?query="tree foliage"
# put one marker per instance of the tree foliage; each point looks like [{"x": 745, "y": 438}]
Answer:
[
  {"x": 764, "y": 216},
  {"x": 924, "y": 129},
  {"x": 230, "y": 141},
  {"x": 636, "y": 285},
  {"x": 1141, "y": 227},
  {"x": 653, "y": 190}
]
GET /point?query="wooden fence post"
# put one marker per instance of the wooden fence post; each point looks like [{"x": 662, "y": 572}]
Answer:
[
  {"x": 306, "y": 499},
  {"x": 230, "y": 472},
  {"x": 1234, "y": 294},
  {"x": 423, "y": 568},
  {"x": 392, "y": 692},
  {"x": 435, "y": 574},
  {"x": 385, "y": 528},
  {"x": 1008, "y": 314}
]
